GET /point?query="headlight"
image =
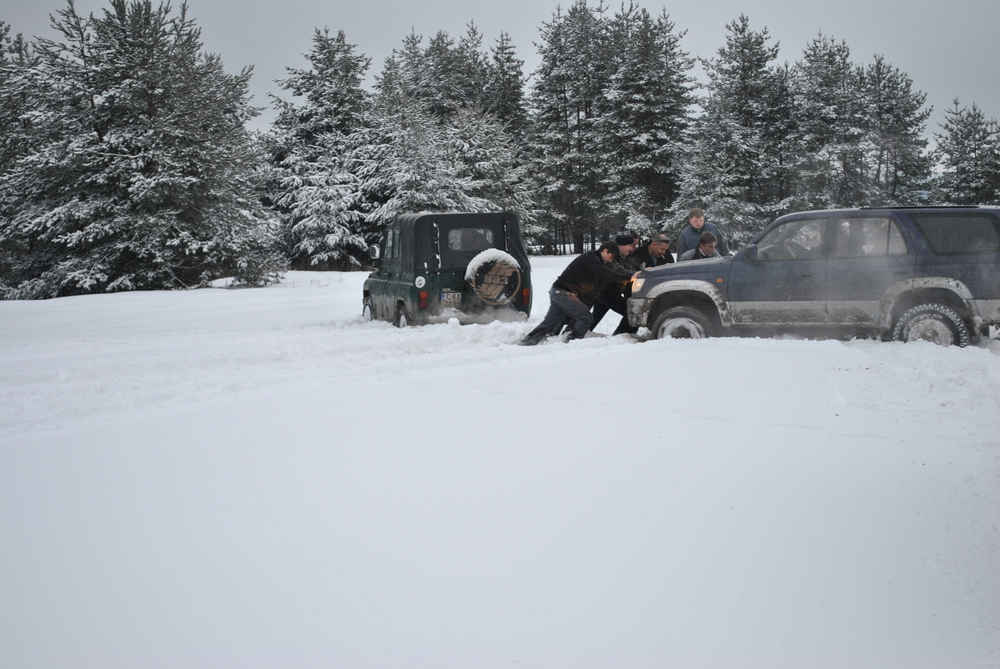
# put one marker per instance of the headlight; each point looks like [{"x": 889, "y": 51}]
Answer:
[{"x": 637, "y": 285}]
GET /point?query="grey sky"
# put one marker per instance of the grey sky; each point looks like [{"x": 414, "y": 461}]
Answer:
[{"x": 948, "y": 49}]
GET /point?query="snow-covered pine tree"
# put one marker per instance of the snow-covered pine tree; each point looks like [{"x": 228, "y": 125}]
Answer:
[
  {"x": 647, "y": 110},
  {"x": 472, "y": 68},
  {"x": 412, "y": 160},
  {"x": 138, "y": 172},
  {"x": 968, "y": 149},
  {"x": 442, "y": 89},
  {"x": 897, "y": 166},
  {"x": 831, "y": 126},
  {"x": 503, "y": 96},
  {"x": 427, "y": 147},
  {"x": 486, "y": 155},
  {"x": 736, "y": 160},
  {"x": 404, "y": 73},
  {"x": 566, "y": 103},
  {"x": 405, "y": 166},
  {"x": 442, "y": 77},
  {"x": 311, "y": 183},
  {"x": 18, "y": 91}
]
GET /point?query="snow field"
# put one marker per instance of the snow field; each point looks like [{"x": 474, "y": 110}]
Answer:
[{"x": 256, "y": 478}]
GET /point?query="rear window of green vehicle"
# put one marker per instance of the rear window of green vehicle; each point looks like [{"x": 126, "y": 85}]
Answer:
[{"x": 951, "y": 234}]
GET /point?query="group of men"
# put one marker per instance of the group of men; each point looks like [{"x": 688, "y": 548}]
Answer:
[{"x": 601, "y": 281}]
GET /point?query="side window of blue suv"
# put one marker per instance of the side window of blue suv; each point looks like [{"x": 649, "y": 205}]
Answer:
[
  {"x": 795, "y": 240},
  {"x": 959, "y": 233},
  {"x": 868, "y": 238}
]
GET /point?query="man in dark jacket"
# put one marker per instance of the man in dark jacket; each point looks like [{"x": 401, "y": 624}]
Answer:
[
  {"x": 697, "y": 225},
  {"x": 613, "y": 297},
  {"x": 654, "y": 253},
  {"x": 705, "y": 248},
  {"x": 574, "y": 292}
]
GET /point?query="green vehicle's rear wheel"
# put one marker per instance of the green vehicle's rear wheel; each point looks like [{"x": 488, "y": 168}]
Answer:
[{"x": 401, "y": 321}]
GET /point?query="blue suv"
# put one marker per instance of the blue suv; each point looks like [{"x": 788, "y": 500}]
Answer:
[{"x": 905, "y": 273}]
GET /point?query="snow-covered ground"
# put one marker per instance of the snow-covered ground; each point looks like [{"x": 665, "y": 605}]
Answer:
[{"x": 256, "y": 478}]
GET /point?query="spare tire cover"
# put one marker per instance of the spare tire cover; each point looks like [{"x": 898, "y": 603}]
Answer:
[{"x": 495, "y": 276}]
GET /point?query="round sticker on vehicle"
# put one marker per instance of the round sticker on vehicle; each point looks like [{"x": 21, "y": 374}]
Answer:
[{"x": 420, "y": 282}]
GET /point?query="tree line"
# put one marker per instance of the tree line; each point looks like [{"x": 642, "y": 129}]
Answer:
[{"x": 126, "y": 162}]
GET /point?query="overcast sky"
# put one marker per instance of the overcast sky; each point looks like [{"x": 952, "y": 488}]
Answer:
[{"x": 949, "y": 49}]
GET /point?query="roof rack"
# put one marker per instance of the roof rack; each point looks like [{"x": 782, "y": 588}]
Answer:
[{"x": 929, "y": 206}]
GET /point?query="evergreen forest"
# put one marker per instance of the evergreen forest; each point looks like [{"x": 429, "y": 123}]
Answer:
[{"x": 126, "y": 161}]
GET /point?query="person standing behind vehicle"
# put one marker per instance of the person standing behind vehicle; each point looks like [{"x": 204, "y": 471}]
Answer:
[
  {"x": 574, "y": 292},
  {"x": 697, "y": 225},
  {"x": 654, "y": 253},
  {"x": 705, "y": 248}
]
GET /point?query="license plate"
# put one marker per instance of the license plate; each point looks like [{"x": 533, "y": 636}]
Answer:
[{"x": 451, "y": 300}]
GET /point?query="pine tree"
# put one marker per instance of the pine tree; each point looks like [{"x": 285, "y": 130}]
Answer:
[
  {"x": 897, "y": 166},
  {"x": 405, "y": 74},
  {"x": 647, "y": 111},
  {"x": 312, "y": 185},
  {"x": 969, "y": 153},
  {"x": 138, "y": 175},
  {"x": 831, "y": 126},
  {"x": 472, "y": 69},
  {"x": 405, "y": 167},
  {"x": 428, "y": 144},
  {"x": 412, "y": 160},
  {"x": 566, "y": 102},
  {"x": 18, "y": 92},
  {"x": 442, "y": 78},
  {"x": 484, "y": 153},
  {"x": 503, "y": 96},
  {"x": 736, "y": 166}
]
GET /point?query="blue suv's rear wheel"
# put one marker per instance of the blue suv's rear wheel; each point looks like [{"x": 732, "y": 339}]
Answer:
[
  {"x": 682, "y": 323},
  {"x": 932, "y": 322}
]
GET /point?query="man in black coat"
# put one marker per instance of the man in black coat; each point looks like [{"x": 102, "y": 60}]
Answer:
[
  {"x": 654, "y": 253},
  {"x": 615, "y": 295},
  {"x": 574, "y": 292}
]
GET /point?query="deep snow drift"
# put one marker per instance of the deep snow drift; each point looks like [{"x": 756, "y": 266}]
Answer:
[{"x": 256, "y": 478}]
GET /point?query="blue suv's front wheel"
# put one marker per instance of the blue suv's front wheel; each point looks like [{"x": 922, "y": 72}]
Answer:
[{"x": 682, "y": 323}]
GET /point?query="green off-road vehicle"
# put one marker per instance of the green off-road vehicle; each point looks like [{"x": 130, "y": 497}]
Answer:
[{"x": 434, "y": 267}]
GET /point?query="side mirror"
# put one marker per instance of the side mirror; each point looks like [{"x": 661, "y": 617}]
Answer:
[
  {"x": 750, "y": 253},
  {"x": 373, "y": 251}
]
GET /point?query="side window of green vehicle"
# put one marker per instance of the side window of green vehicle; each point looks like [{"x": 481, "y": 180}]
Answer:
[
  {"x": 388, "y": 245},
  {"x": 392, "y": 244}
]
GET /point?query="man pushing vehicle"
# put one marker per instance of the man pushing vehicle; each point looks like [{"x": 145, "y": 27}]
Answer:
[{"x": 575, "y": 291}]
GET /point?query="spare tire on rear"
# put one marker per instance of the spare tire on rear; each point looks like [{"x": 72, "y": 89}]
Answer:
[{"x": 495, "y": 276}]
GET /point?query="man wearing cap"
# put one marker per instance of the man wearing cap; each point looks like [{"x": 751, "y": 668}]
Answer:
[
  {"x": 697, "y": 225},
  {"x": 575, "y": 291},
  {"x": 613, "y": 298},
  {"x": 653, "y": 253}
]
